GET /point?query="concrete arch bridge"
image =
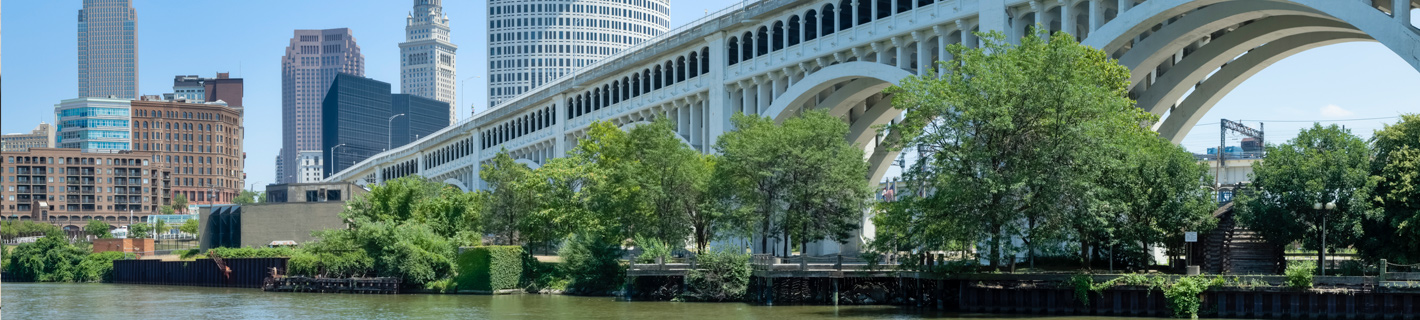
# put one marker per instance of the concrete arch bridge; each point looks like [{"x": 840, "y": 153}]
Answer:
[{"x": 778, "y": 57}]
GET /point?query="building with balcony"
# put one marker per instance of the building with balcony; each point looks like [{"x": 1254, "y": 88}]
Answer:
[{"x": 68, "y": 187}]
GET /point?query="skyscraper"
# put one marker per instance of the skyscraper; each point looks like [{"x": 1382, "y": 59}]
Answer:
[
  {"x": 427, "y": 60},
  {"x": 312, "y": 61},
  {"x": 94, "y": 124},
  {"x": 361, "y": 118},
  {"x": 108, "y": 49},
  {"x": 532, "y": 42}
]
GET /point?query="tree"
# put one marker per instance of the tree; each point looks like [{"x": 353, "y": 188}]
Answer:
[
  {"x": 510, "y": 199},
  {"x": 166, "y": 209},
  {"x": 1016, "y": 139},
  {"x": 247, "y": 197},
  {"x": 1321, "y": 165},
  {"x": 98, "y": 229},
  {"x": 450, "y": 212},
  {"x": 673, "y": 180},
  {"x": 160, "y": 227},
  {"x": 802, "y": 180},
  {"x": 1392, "y": 230},
  {"x": 180, "y": 202},
  {"x": 139, "y": 230},
  {"x": 189, "y": 227}
]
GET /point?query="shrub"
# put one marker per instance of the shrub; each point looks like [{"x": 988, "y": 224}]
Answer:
[
  {"x": 723, "y": 276},
  {"x": 490, "y": 268},
  {"x": 1299, "y": 275},
  {"x": 592, "y": 264},
  {"x": 337, "y": 264},
  {"x": 652, "y": 248},
  {"x": 1082, "y": 284},
  {"x": 98, "y": 267},
  {"x": 539, "y": 276},
  {"x": 1183, "y": 295},
  {"x": 241, "y": 253}
]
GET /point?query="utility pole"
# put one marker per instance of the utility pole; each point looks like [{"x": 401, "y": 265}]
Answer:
[{"x": 1223, "y": 127}]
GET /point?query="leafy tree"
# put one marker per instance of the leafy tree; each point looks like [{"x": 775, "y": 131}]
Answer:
[
  {"x": 160, "y": 227},
  {"x": 49, "y": 259},
  {"x": 510, "y": 198},
  {"x": 166, "y": 209},
  {"x": 1155, "y": 192},
  {"x": 805, "y": 181},
  {"x": 451, "y": 212},
  {"x": 139, "y": 230},
  {"x": 1321, "y": 165},
  {"x": 247, "y": 197},
  {"x": 592, "y": 263},
  {"x": 673, "y": 180},
  {"x": 1016, "y": 139},
  {"x": 189, "y": 227},
  {"x": 98, "y": 229},
  {"x": 1392, "y": 231},
  {"x": 180, "y": 202}
]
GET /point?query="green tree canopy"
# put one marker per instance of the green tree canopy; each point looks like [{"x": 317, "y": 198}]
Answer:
[
  {"x": 1036, "y": 141},
  {"x": 1321, "y": 165},
  {"x": 98, "y": 229},
  {"x": 1393, "y": 229},
  {"x": 190, "y": 226},
  {"x": 180, "y": 202},
  {"x": 140, "y": 230},
  {"x": 247, "y": 197},
  {"x": 510, "y": 197},
  {"x": 800, "y": 181}
]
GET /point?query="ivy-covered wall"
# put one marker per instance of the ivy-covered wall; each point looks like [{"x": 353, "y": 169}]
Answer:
[{"x": 490, "y": 268}]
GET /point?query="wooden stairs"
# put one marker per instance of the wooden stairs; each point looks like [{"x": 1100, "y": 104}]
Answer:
[{"x": 1233, "y": 249}]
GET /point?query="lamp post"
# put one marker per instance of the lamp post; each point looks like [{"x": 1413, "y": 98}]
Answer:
[
  {"x": 332, "y": 158},
  {"x": 389, "y": 138},
  {"x": 464, "y": 93},
  {"x": 1325, "y": 209}
]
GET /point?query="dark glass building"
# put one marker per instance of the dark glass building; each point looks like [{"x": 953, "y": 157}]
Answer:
[
  {"x": 355, "y": 120},
  {"x": 422, "y": 116}
]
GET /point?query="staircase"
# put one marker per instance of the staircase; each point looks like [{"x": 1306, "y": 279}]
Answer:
[{"x": 1231, "y": 249}]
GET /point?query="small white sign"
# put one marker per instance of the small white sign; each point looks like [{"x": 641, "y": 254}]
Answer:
[{"x": 1190, "y": 236}]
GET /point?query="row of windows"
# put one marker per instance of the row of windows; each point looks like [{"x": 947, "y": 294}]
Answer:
[
  {"x": 824, "y": 21},
  {"x": 93, "y": 112},
  {"x": 612, "y": 9},
  {"x": 448, "y": 154},
  {"x": 634, "y": 85},
  {"x": 86, "y": 123},
  {"x": 85, "y": 161},
  {"x": 633, "y": 24},
  {"x": 513, "y": 129},
  {"x": 612, "y": 36},
  {"x": 502, "y": 60},
  {"x": 180, "y": 115}
]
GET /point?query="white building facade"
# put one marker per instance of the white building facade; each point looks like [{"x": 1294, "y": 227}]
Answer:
[
  {"x": 108, "y": 49},
  {"x": 309, "y": 167},
  {"x": 531, "y": 43},
  {"x": 428, "y": 63}
]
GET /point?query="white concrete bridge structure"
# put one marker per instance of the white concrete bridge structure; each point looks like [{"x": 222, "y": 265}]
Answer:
[{"x": 778, "y": 57}]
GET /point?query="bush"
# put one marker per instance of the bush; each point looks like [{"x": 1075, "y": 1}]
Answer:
[
  {"x": 490, "y": 268},
  {"x": 241, "y": 253},
  {"x": 1299, "y": 275},
  {"x": 652, "y": 248},
  {"x": 592, "y": 264},
  {"x": 98, "y": 267},
  {"x": 339, "y": 264},
  {"x": 723, "y": 275},
  {"x": 1183, "y": 295}
]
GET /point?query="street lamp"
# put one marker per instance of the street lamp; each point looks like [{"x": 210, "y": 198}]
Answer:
[
  {"x": 1325, "y": 209},
  {"x": 332, "y": 158},
  {"x": 464, "y": 93},
  {"x": 389, "y": 138}
]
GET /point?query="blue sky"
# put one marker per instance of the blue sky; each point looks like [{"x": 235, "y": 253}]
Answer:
[{"x": 247, "y": 38}]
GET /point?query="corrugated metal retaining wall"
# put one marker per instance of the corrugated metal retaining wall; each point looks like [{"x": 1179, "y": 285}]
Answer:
[{"x": 246, "y": 273}]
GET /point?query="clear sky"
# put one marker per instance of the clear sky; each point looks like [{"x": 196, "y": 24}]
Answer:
[{"x": 248, "y": 37}]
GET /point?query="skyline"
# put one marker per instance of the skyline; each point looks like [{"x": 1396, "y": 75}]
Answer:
[{"x": 1354, "y": 80}]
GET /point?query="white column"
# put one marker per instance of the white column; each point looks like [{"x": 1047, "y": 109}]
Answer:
[
  {"x": 1125, "y": 5},
  {"x": 1401, "y": 8},
  {"x": 1096, "y": 15},
  {"x": 747, "y": 93},
  {"x": 923, "y": 60},
  {"x": 853, "y": 23},
  {"x": 1040, "y": 19},
  {"x": 761, "y": 101},
  {"x": 1067, "y": 18},
  {"x": 992, "y": 17}
]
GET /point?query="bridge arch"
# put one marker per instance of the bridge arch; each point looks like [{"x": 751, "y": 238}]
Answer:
[
  {"x": 457, "y": 184},
  {"x": 1185, "y": 55},
  {"x": 854, "y": 92}
]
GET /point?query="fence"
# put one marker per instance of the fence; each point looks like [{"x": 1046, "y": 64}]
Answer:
[{"x": 244, "y": 273}]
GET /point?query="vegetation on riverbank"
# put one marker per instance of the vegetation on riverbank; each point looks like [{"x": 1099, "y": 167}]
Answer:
[{"x": 52, "y": 258}]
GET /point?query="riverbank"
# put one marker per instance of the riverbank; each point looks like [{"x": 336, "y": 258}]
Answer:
[{"x": 38, "y": 301}]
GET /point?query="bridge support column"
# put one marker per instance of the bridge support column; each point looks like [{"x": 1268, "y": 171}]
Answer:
[
  {"x": 1096, "y": 15},
  {"x": 1400, "y": 9},
  {"x": 1067, "y": 18},
  {"x": 991, "y": 17},
  {"x": 1125, "y": 5},
  {"x": 761, "y": 99}
]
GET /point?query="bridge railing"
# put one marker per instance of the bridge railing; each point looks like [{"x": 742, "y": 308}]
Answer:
[{"x": 649, "y": 43}]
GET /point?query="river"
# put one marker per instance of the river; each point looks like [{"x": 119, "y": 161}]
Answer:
[{"x": 31, "y": 301}]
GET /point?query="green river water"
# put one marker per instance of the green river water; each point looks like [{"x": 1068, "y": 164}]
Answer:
[{"x": 111, "y": 301}]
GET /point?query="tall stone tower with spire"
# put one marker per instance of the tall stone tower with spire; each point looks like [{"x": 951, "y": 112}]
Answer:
[{"x": 428, "y": 67}]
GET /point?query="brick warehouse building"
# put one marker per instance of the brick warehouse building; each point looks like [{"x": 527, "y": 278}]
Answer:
[
  {"x": 201, "y": 143},
  {"x": 67, "y": 187}
]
